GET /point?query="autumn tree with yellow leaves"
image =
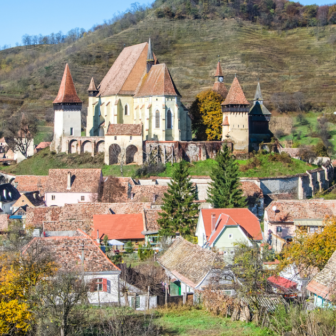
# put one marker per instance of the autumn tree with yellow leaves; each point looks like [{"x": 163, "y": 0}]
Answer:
[
  {"x": 311, "y": 250},
  {"x": 18, "y": 279},
  {"x": 207, "y": 117}
]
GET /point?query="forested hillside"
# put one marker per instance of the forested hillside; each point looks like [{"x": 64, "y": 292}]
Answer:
[{"x": 296, "y": 65}]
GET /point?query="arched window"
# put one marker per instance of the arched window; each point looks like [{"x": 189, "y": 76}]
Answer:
[
  {"x": 126, "y": 109},
  {"x": 169, "y": 119},
  {"x": 157, "y": 119}
]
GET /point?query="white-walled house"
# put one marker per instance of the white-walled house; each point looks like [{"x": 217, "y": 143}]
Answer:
[
  {"x": 222, "y": 228},
  {"x": 69, "y": 186},
  {"x": 99, "y": 272}
]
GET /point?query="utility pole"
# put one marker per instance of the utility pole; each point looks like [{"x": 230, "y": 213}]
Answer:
[{"x": 148, "y": 298}]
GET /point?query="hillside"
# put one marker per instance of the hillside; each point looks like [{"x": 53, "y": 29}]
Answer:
[
  {"x": 300, "y": 59},
  {"x": 259, "y": 166}
]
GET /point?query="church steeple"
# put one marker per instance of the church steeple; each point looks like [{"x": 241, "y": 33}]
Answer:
[
  {"x": 150, "y": 56},
  {"x": 92, "y": 90},
  {"x": 258, "y": 95},
  {"x": 219, "y": 86}
]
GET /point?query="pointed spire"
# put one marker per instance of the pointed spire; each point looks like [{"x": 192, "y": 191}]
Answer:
[
  {"x": 150, "y": 56},
  {"x": 236, "y": 95},
  {"x": 67, "y": 91},
  {"x": 258, "y": 95},
  {"x": 226, "y": 121},
  {"x": 219, "y": 72},
  {"x": 92, "y": 86}
]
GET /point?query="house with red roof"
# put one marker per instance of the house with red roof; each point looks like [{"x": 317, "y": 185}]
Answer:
[
  {"x": 222, "y": 228},
  {"x": 282, "y": 285},
  {"x": 75, "y": 251},
  {"x": 122, "y": 227}
]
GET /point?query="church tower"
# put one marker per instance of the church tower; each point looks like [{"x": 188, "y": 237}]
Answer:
[
  {"x": 67, "y": 107},
  {"x": 219, "y": 85},
  {"x": 235, "y": 110}
]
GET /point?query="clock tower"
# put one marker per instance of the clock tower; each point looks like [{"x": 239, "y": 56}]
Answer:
[{"x": 219, "y": 86}]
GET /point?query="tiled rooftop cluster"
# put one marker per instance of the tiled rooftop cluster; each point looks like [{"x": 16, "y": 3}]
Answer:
[
  {"x": 67, "y": 252},
  {"x": 28, "y": 183},
  {"x": 289, "y": 210},
  {"x": 124, "y": 129}
]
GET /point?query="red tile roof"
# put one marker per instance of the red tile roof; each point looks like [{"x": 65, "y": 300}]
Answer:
[
  {"x": 28, "y": 183},
  {"x": 281, "y": 282},
  {"x": 289, "y": 210},
  {"x": 236, "y": 95},
  {"x": 219, "y": 71},
  {"x": 220, "y": 88},
  {"x": 157, "y": 82},
  {"x": 82, "y": 180},
  {"x": 67, "y": 252},
  {"x": 119, "y": 226},
  {"x": 225, "y": 220},
  {"x": 126, "y": 72},
  {"x": 92, "y": 86},
  {"x": 124, "y": 129},
  {"x": 42, "y": 145},
  {"x": 67, "y": 91},
  {"x": 226, "y": 121},
  {"x": 242, "y": 216}
]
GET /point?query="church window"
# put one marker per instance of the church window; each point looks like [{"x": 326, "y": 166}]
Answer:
[
  {"x": 71, "y": 130},
  {"x": 169, "y": 119},
  {"x": 115, "y": 138},
  {"x": 157, "y": 119},
  {"x": 126, "y": 109},
  {"x": 130, "y": 137}
]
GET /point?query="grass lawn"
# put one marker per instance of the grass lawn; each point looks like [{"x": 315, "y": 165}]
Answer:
[
  {"x": 199, "y": 322},
  {"x": 40, "y": 164}
]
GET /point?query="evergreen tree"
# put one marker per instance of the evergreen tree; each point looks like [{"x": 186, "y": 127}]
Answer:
[
  {"x": 179, "y": 211},
  {"x": 224, "y": 191}
]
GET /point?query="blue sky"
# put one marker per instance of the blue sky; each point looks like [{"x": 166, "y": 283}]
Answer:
[{"x": 36, "y": 17}]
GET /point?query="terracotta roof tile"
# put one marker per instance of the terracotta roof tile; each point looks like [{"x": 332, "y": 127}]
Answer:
[
  {"x": 126, "y": 72},
  {"x": 82, "y": 180},
  {"x": 236, "y": 95},
  {"x": 151, "y": 217},
  {"x": 282, "y": 283},
  {"x": 157, "y": 82},
  {"x": 224, "y": 221},
  {"x": 220, "y": 88},
  {"x": 28, "y": 183},
  {"x": 67, "y": 252},
  {"x": 128, "y": 226},
  {"x": 226, "y": 121},
  {"x": 189, "y": 260},
  {"x": 92, "y": 86},
  {"x": 124, "y": 129},
  {"x": 42, "y": 145},
  {"x": 242, "y": 216},
  {"x": 67, "y": 91},
  {"x": 289, "y": 210},
  {"x": 323, "y": 283},
  {"x": 219, "y": 71}
]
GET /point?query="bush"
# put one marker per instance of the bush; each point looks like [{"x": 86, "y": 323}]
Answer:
[
  {"x": 150, "y": 170},
  {"x": 279, "y": 133}
]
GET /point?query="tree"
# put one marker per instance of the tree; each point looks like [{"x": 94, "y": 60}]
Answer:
[
  {"x": 224, "y": 190},
  {"x": 20, "y": 132},
  {"x": 311, "y": 250},
  {"x": 129, "y": 247},
  {"x": 179, "y": 209},
  {"x": 207, "y": 115}
]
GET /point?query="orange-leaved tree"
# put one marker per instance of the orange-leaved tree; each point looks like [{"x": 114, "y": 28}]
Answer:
[
  {"x": 311, "y": 250},
  {"x": 207, "y": 115},
  {"x": 18, "y": 277}
]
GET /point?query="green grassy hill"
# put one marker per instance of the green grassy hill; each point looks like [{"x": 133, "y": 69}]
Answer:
[
  {"x": 259, "y": 166},
  {"x": 300, "y": 59}
]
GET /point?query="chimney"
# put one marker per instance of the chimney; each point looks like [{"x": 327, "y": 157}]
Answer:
[
  {"x": 98, "y": 240},
  {"x": 150, "y": 57},
  {"x": 69, "y": 181},
  {"x": 213, "y": 221}
]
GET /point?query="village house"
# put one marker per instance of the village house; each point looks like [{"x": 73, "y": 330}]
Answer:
[
  {"x": 79, "y": 215},
  {"x": 190, "y": 268},
  {"x": 42, "y": 145},
  {"x": 30, "y": 199},
  {"x": 222, "y": 228},
  {"x": 8, "y": 196},
  {"x": 30, "y": 183},
  {"x": 323, "y": 284},
  {"x": 68, "y": 186},
  {"x": 76, "y": 251},
  {"x": 282, "y": 217}
]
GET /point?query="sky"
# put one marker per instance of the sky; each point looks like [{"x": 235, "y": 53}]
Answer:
[{"x": 36, "y": 17}]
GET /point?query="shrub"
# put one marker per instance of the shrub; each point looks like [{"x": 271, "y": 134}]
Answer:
[
  {"x": 279, "y": 133},
  {"x": 150, "y": 169}
]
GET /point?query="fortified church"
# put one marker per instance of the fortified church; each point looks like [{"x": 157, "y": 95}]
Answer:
[{"x": 136, "y": 111}]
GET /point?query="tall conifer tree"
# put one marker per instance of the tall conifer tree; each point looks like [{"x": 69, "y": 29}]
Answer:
[
  {"x": 224, "y": 191},
  {"x": 179, "y": 211}
]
